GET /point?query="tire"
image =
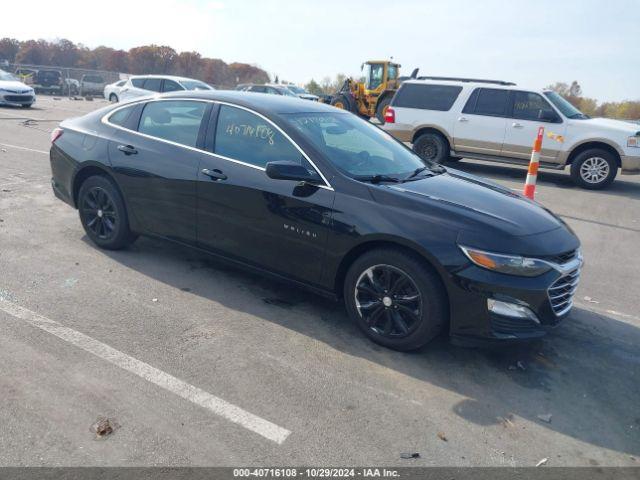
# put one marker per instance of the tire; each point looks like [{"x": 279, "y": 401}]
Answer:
[
  {"x": 343, "y": 102},
  {"x": 381, "y": 108},
  {"x": 432, "y": 147},
  {"x": 103, "y": 214},
  {"x": 376, "y": 312},
  {"x": 113, "y": 98},
  {"x": 594, "y": 169}
]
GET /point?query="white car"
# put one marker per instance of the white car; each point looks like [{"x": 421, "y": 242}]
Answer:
[
  {"x": 14, "y": 92},
  {"x": 498, "y": 121},
  {"x": 302, "y": 93},
  {"x": 145, "y": 85},
  {"x": 112, "y": 90},
  {"x": 91, "y": 84}
]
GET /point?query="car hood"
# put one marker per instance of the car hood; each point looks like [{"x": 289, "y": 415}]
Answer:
[
  {"x": 13, "y": 85},
  {"x": 480, "y": 204},
  {"x": 620, "y": 126}
]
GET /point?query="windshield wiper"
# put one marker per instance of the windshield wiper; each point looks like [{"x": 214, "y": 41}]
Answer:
[
  {"x": 435, "y": 170},
  {"x": 379, "y": 178}
]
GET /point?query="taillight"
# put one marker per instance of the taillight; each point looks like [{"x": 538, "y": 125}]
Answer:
[
  {"x": 390, "y": 116},
  {"x": 56, "y": 133}
]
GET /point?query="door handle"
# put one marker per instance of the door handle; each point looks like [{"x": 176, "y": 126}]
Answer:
[
  {"x": 214, "y": 174},
  {"x": 463, "y": 119},
  {"x": 127, "y": 149},
  {"x": 517, "y": 125}
]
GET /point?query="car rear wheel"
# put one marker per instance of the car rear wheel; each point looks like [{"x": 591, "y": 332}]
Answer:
[
  {"x": 396, "y": 299},
  {"x": 432, "y": 147},
  {"x": 594, "y": 169},
  {"x": 103, "y": 214}
]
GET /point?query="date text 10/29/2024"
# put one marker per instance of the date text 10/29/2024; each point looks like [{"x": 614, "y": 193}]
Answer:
[{"x": 315, "y": 472}]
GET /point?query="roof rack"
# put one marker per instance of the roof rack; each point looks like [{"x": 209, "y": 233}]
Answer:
[{"x": 474, "y": 80}]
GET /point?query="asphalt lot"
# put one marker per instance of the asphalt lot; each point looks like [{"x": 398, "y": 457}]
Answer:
[{"x": 286, "y": 356}]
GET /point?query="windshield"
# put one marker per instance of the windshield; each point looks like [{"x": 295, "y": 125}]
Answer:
[
  {"x": 7, "y": 77},
  {"x": 296, "y": 89},
  {"x": 564, "y": 106},
  {"x": 195, "y": 85},
  {"x": 285, "y": 91},
  {"x": 358, "y": 148}
]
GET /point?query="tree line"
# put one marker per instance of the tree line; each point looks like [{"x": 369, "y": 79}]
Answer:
[
  {"x": 146, "y": 59},
  {"x": 626, "y": 110}
]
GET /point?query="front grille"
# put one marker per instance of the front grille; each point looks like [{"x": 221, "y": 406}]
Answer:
[
  {"x": 562, "y": 290},
  {"x": 18, "y": 98}
]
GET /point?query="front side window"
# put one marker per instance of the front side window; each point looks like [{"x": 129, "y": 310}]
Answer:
[
  {"x": 357, "y": 148},
  {"x": 531, "y": 106},
  {"x": 374, "y": 76},
  {"x": 175, "y": 120},
  {"x": 241, "y": 135},
  {"x": 171, "y": 86},
  {"x": 565, "y": 107},
  {"x": 152, "y": 84},
  {"x": 426, "y": 97},
  {"x": 491, "y": 101}
]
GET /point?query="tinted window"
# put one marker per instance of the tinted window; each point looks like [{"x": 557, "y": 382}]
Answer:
[
  {"x": 121, "y": 116},
  {"x": 175, "y": 120},
  {"x": 492, "y": 101},
  {"x": 243, "y": 136},
  {"x": 152, "y": 84},
  {"x": 171, "y": 86},
  {"x": 93, "y": 79},
  {"x": 528, "y": 106},
  {"x": 258, "y": 88},
  {"x": 137, "y": 82},
  {"x": 427, "y": 97}
]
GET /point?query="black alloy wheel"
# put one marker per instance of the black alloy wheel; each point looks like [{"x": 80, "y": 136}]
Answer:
[
  {"x": 388, "y": 301},
  {"x": 99, "y": 213},
  {"x": 432, "y": 147}
]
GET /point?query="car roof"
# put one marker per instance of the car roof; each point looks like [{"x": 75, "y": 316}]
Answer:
[
  {"x": 170, "y": 77},
  {"x": 259, "y": 102},
  {"x": 476, "y": 84}
]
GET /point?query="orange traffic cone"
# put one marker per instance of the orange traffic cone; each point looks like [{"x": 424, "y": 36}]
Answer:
[{"x": 532, "y": 174}]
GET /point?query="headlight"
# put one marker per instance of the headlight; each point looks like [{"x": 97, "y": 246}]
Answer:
[
  {"x": 509, "y": 264},
  {"x": 633, "y": 141}
]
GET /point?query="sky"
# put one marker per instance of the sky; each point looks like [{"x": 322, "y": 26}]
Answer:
[{"x": 533, "y": 43}]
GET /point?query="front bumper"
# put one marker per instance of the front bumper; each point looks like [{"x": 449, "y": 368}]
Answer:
[
  {"x": 548, "y": 297},
  {"x": 17, "y": 98},
  {"x": 630, "y": 164}
]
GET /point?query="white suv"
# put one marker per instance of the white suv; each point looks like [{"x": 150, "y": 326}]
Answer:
[
  {"x": 446, "y": 119},
  {"x": 144, "y": 85}
]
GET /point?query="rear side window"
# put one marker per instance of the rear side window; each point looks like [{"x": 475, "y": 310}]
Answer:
[
  {"x": 427, "y": 97},
  {"x": 176, "y": 120},
  {"x": 152, "y": 84},
  {"x": 241, "y": 135},
  {"x": 488, "y": 101},
  {"x": 121, "y": 116},
  {"x": 529, "y": 106},
  {"x": 137, "y": 82},
  {"x": 258, "y": 88}
]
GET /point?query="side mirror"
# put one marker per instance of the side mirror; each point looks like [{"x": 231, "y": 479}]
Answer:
[
  {"x": 284, "y": 170},
  {"x": 547, "y": 116}
]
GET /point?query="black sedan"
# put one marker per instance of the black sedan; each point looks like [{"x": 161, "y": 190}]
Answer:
[{"x": 317, "y": 196}]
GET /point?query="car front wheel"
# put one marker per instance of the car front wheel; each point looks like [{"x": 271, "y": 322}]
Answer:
[
  {"x": 396, "y": 299},
  {"x": 103, "y": 214},
  {"x": 594, "y": 169}
]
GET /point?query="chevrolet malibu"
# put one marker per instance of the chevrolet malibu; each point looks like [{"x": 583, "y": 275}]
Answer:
[{"x": 308, "y": 193}]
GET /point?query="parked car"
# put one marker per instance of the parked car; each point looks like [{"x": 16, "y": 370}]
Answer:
[
  {"x": 316, "y": 195},
  {"x": 498, "y": 121},
  {"x": 91, "y": 84},
  {"x": 42, "y": 80},
  {"x": 15, "y": 92},
  {"x": 302, "y": 93},
  {"x": 145, "y": 85},
  {"x": 274, "y": 89},
  {"x": 112, "y": 90},
  {"x": 26, "y": 75}
]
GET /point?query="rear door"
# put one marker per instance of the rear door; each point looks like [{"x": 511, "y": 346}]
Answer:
[
  {"x": 279, "y": 225},
  {"x": 528, "y": 111},
  {"x": 156, "y": 164},
  {"x": 480, "y": 128}
]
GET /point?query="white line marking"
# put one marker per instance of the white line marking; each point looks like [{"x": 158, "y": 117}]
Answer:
[
  {"x": 174, "y": 385},
  {"x": 24, "y": 148}
]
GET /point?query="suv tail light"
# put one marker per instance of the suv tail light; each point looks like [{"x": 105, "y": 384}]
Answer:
[
  {"x": 56, "y": 133},
  {"x": 390, "y": 116}
]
